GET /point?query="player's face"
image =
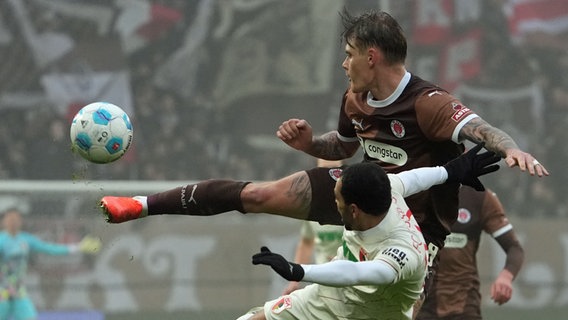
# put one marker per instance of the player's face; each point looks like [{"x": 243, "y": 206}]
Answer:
[
  {"x": 344, "y": 209},
  {"x": 12, "y": 221},
  {"x": 357, "y": 68}
]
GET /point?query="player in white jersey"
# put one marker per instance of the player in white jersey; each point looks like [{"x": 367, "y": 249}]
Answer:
[{"x": 379, "y": 271}]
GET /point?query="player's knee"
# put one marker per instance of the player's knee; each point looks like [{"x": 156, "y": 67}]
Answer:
[
  {"x": 259, "y": 316},
  {"x": 254, "y": 314},
  {"x": 255, "y": 197}
]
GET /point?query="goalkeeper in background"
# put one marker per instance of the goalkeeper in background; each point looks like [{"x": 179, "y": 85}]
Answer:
[{"x": 15, "y": 249}]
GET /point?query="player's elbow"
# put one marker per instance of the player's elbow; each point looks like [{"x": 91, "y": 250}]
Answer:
[
  {"x": 520, "y": 253},
  {"x": 349, "y": 149}
]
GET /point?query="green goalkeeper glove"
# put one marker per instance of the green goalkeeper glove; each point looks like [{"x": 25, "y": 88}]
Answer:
[{"x": 90, "y": 245}]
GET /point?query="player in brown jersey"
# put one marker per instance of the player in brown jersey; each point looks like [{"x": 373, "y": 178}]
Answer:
[
  {"x": 455, "y": 292},
  {"x": 400, "y": 120}
]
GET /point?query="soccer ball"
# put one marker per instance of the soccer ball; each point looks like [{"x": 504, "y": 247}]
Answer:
[{"x": 101, "y": 132}]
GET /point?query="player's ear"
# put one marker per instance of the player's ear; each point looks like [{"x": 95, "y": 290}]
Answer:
[
  {"x": 373, "y": 55},
  {"x": 354, "y": 210}
]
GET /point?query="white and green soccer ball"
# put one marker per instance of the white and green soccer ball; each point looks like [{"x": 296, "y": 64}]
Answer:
[{"x": 101, "y": 132}]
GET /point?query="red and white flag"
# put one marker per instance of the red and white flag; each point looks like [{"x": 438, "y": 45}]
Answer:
[{"x": 538, "y": 16}]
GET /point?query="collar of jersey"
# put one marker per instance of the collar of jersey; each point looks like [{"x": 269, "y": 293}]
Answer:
[
  {"x": 380, "y": 232},
  {"x": 383, "y": 103}
]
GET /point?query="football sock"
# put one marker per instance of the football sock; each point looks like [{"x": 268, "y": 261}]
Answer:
[
  {"x": 144, "y": 201},
  {"x": 205, "y": 198}
]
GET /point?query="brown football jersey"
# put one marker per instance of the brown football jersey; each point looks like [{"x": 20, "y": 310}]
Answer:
[
  {"x": 417, "y": 126},
  {"x": 456, "y": 284}
]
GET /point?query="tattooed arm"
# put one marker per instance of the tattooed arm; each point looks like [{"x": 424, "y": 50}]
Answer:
[
  {"x": 329, "y": 146},
  {"x": 298, "y": 134},
  {"x": 478, "y": 130}
]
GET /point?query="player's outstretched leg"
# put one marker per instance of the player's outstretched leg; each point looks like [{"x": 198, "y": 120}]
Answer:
[
  {"x": 290, "y": 196},
  {"x": 203, "y": 199}
]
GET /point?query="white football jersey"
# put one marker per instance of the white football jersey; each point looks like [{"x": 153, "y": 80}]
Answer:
[{"x": 397, "y": 240}]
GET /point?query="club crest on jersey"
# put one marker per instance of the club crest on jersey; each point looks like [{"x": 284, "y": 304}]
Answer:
[
  {"x": 281, "y": 305},
  {"x": 335, "y": 173},
  {"x": 460, "y": 111},
  {"x": 397, "y": 129},
  {"x": 464, "y": 216}
]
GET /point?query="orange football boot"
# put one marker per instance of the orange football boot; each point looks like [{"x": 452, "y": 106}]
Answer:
[{"x": 121, "y": 209}]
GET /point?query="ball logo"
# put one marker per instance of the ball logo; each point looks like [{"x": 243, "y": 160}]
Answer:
[
  {"x": 397, "y": 129},
  {"x": 464, "y": 216},
  {"x": 103, "y": 137}
]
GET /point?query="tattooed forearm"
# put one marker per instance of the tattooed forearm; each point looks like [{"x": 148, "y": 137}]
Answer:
[
  {"x": 329, "y": 147},
  {"x": 496, "y": 140}
]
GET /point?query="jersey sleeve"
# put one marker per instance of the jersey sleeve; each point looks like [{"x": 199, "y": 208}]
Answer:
[
  {"x": 441, "y": 116},
  {"x": 38, "y": 245},
  {"x": 413, "y": 181},
  {"x": 340, "y": 273},
  {"x": 404, "y": 260},
  {"x": 493, "y": 218},
  {"x": 397, "y": 185}
]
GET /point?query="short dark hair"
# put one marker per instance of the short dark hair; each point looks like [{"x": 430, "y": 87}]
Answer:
[
  {"x": 375, "y": 28},
  {"x": 367, "y": 185}
]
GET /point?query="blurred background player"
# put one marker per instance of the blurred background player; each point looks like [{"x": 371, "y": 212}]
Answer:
[
  {"x": 15, "y": 249},
  {"x": 318, "y": 243},
  {"x": 455, "y": 293}
]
